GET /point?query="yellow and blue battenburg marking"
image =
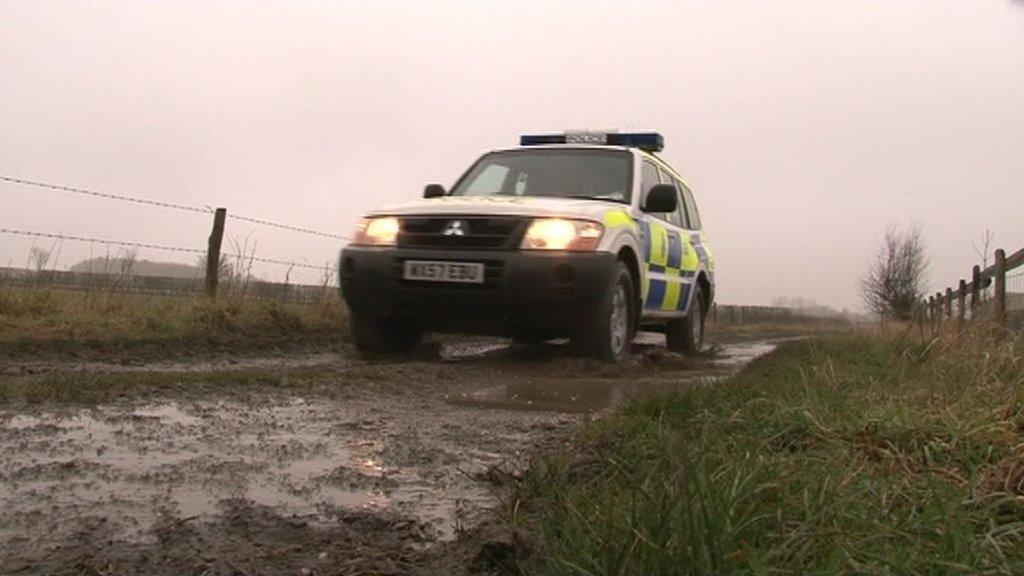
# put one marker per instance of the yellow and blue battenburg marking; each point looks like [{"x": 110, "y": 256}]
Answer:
[
  {"x": 671, "y": 260},
  {"x": 674, "y": 259}
]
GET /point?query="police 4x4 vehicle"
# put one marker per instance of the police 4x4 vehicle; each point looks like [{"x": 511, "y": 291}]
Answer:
[{"x": 589, "y": 236}]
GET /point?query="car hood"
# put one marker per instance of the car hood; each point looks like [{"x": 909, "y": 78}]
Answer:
[{"x": 502, "y": 205}]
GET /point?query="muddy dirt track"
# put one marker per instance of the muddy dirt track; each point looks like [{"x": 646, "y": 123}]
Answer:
[{"x": 319, "y": 463}]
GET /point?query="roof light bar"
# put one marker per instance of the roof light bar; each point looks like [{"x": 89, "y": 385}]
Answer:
[{"x": 647, "y": 141}]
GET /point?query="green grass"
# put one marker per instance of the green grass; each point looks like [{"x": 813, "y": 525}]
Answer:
[
  {"x": 34, "y": 319},
  {"x": 855, "y": 454}
]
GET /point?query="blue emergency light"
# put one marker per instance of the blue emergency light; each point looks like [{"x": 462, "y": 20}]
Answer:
[{"x": 647, "y": 141}]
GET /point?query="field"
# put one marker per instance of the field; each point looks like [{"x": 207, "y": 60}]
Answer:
[
  {"x": 857, "y": 454},
  {"x": 45, "y": 321}
]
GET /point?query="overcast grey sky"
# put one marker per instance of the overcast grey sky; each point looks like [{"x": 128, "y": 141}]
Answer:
[{"x": 805, "y": 128}]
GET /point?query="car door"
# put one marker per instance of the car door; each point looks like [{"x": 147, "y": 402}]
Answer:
[
  {"x": 666, "y": 290},
  {"x": 694, "y": 254}
]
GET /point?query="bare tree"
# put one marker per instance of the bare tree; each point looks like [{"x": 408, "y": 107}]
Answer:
[
  {"x": 244, "y": 256},
  {"x": 983, "y": 251},
  {"x": 894, "y": 281},
  {"x": 39, "y": 257},
  {"x": 127, "y": 263}
]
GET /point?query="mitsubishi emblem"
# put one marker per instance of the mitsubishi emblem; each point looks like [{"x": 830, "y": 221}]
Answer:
[{"x": 455, "y": 228}]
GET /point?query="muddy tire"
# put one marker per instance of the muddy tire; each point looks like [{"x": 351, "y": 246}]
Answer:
[
  {"x": 686, "y": 336},
  {"x": 608, "y": 333},
  {"x": 375, "y": 335}
]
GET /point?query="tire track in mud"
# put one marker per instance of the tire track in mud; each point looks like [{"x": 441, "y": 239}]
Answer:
[{"x": 367, "y": 466}]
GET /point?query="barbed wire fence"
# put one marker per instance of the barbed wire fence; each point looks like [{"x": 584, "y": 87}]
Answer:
[{"x": 211, "y": 255}]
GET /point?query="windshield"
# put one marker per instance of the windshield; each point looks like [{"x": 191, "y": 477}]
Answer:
[{"x": 596, "y": 174}]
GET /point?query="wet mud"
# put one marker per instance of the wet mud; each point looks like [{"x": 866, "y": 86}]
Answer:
[{"x": 366, "y": 471}]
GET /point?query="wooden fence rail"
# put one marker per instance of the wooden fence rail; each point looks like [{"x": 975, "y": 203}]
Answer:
[
  {"x": 734, "y": 315},
  {"x": 940, "y": 306}
]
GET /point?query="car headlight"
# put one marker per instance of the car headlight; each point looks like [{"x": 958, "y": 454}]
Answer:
[
  {"x": 562, "y": 234},
  {"x": 382, "y": 231}
]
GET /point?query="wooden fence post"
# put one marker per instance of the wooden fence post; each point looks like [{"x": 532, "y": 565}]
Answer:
[
  {"x": 999, "y": 298},
  {"x": 931, "y": 308},
  {"x": 975, "y": 289},
  {"x": 961, "y": 298},
  {"x": 213, "y": 252},
  {"x": 949, "y": 303}
]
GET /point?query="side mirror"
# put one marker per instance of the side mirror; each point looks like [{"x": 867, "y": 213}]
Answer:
[
  {"x": 661, "y": 198},
  {"x": 433, "y": 191}
]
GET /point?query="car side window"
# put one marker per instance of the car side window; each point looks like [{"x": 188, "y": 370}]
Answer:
[
  {"x": 676, "y": 218},
  {"x": 650, "y": 177},
  {"x": 683, "y": 207},
  {"x": 691, "y": 207}
]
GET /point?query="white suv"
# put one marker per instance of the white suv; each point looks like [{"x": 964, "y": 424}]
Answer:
[{"x": 582, "y": 235}]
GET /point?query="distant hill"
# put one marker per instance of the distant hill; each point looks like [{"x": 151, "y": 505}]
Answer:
[{"x": 137, "y": 268}]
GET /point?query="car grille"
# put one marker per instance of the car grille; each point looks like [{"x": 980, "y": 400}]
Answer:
[{"x": 463, "y": 232}]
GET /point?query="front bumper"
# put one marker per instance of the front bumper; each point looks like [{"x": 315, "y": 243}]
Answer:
[{"x": 524, "y": 292}]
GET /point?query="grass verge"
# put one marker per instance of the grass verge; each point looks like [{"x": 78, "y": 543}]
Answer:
[
  {"x": 855, "y": 454},
  {"x": 36, "y": 320}
]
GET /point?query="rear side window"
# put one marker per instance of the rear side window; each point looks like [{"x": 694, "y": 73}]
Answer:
[
  {"x": 691, "y": 207},
  {"x": 677, "y": 218},
  {"x": 684, "y": 209}
]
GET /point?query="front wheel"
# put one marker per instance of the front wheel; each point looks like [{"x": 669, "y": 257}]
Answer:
[
  {"x": 608, "y": 334},
  {"x": 687, "y": 335},
  {"x": 378, "y": 335}
]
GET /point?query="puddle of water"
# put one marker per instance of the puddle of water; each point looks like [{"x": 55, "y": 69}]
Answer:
[
  {"x": 410, "y": 452},
  {"x": 22, "y": 421},
  {"x": 170, "y": 413},
  {"x": 472, "y": 348},
  {"x": 136, "y": 462},
  {"x": 193, "y": 502},
  {"x": 571, "y": 393},
  {"x": 742, "y": 353},
  {"x": 573, "y": 396},
  {"x": 274, "y": 496}
]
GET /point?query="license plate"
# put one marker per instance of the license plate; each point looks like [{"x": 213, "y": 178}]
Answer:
[{"x": 465, "y": 272}]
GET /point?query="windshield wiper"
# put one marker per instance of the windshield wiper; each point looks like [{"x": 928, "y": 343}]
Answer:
[{"x": 590, "y": 197}]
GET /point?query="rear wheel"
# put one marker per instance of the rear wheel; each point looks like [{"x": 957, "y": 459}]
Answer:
[
  {"x": 608, "y": 334},
  {"x": 378, "y": 335},
  {"x": 687, "y": 335}
]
